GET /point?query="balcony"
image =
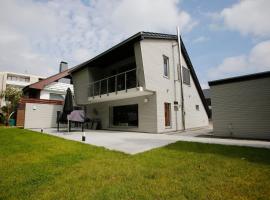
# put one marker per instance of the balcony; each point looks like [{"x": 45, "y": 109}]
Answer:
[{"x": 120, "y": 86}]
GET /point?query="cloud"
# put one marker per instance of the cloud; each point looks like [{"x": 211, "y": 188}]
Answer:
[
  {"x": 36, "y": 35},
  {"x": 200, "y": 39},
  {"x": 248, "y": 17},
  {"x": 255, "y": 61}
]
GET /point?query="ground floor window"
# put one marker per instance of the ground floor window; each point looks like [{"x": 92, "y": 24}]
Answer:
[
  {"x": 167, "y": 112},
  {"x": 125, "y": 115}
]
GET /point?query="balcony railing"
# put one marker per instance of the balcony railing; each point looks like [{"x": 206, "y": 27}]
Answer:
[{"x": 119, "y": 82}]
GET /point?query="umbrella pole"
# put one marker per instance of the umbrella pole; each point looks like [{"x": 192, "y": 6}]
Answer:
[{"x": 68, "y": 126}]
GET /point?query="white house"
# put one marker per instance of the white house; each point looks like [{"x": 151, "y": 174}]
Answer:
[
  {"x": 138, "y": 85},
  {"x": 51, "y": 88},
  {"x": 41, "y": 100}
]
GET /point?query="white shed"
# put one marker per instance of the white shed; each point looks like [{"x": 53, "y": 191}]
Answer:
[{"x": 241, "y": 106}]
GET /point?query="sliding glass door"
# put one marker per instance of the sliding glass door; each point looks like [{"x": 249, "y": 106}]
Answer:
[{"x": 125, "y": 116}]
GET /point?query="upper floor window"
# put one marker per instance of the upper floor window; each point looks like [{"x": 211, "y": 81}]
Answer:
[
  {"x": 18, "y": 78},
  {"x": 186, "y": 75},
  {"x": 166, "y": 66},
  {"x": 25, "y": 79}
]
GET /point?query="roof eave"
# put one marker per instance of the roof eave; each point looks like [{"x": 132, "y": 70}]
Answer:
[{"x": 240, "y": 78}]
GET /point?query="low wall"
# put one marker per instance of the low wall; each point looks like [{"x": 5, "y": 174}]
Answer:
[{"x": 38, "y": 113}]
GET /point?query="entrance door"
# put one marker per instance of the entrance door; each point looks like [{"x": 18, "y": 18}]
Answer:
[{"x": 167, "y": 109}]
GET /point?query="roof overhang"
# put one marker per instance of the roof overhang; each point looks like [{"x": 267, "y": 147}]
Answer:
[
  {"x": 240, "y": 78},
  {"x": 41, "y": 84}
]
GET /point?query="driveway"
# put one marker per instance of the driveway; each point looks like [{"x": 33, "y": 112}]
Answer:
[{"x": 134, "y": 142}]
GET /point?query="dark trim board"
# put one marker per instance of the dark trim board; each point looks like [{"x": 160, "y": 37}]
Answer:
[
  {"x": 240, "y": 78},
  {"x": 195, "y": 78}
]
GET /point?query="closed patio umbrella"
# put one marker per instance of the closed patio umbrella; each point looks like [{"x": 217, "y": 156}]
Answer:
[{"x": 68, "y": 106}]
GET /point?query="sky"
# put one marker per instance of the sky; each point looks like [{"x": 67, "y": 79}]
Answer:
[{"x": 223, "y": 38}]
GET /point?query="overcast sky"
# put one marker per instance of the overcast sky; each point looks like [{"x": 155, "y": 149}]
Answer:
[{"x": 223, "y": 38}]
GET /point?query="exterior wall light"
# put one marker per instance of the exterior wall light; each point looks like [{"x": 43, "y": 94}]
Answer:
[{"x": 140, "y": 88}]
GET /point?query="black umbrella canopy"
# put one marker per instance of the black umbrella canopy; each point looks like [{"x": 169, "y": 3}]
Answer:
[{"x": 68, "y": 105}]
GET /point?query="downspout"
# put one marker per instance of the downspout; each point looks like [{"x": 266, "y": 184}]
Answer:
[
  {"x": 174, "y": 84},
  {"x": 181, "y": 82}
]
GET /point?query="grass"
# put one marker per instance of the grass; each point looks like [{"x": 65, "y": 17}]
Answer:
[{"x": 38, "y": 166}]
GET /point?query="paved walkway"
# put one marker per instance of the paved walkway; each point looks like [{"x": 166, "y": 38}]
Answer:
[{"x": 134, "y": 142}]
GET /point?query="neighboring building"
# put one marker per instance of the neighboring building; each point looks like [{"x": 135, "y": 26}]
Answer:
[
  {"x": 136, "y": 86},
  {"x": 51, "y": 88},
  {"x": 241, "y": 106},
  {"x": 207, "y": 96},
  {"x": 41, "y": 101},
  {"x": 16, "y": 80}
]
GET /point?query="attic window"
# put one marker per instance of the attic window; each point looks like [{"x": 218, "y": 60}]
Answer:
[
  {"x": 186, "y": 76},
  {"x": 197, "y": 107}
]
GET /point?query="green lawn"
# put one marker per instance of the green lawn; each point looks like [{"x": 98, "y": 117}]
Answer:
[{"x": 38, "y": 166}]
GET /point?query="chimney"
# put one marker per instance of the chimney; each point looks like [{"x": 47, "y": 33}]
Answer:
[{"x": 63, "y": 66}]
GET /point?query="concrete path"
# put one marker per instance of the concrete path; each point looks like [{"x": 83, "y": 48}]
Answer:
[{"x": 134, "y": 142}]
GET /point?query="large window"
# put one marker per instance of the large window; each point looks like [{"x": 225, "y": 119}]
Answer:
[
  {"x": 167, "y": 113},
  {"x": 54, "y": 96},
  {"x": 186, "y": 76},
  {"x": 125, "y": 115},
  {"x": 166, "y": 66}
]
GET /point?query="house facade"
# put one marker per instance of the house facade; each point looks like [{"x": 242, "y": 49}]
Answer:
[{"x": 138, "y": 85}]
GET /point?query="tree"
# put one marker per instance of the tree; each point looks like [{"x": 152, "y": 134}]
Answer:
[{"x": 12, "y": 96}]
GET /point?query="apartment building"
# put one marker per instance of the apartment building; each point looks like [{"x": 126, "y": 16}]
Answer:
[{"x": 17, "y": 80}]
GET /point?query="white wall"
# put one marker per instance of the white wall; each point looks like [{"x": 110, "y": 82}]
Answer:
[
  {"x": 146, "y": 111},
  {"x": 152, "y": 55},
  {"x": 44, "y": 94},
  {"x": 242, "y": 109},
  {"x": 41, "y": 115},
  {"x": 81, "y": 82}
]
